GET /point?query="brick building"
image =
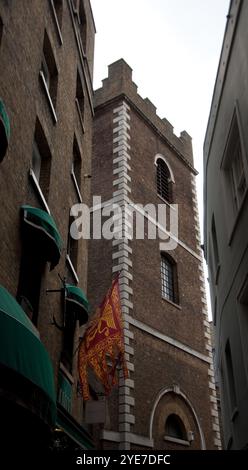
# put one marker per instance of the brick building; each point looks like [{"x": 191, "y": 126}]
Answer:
[
  {"x": 169, "y": 400},
  {"x": 46, "y": 57}
]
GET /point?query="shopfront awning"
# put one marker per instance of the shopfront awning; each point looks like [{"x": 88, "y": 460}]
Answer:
[
  {"x": 4, "y": 130},
  {"x": 77, "y": 303},
  {"x": 40, "y": 226},
  {"x": 22, "y": 351}
]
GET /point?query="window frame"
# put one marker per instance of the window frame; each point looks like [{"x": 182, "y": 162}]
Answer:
[
  {"x": 235, "y": 132},
  {"x": 49, "y": 75},
  {"x": 174, "y": 299}
]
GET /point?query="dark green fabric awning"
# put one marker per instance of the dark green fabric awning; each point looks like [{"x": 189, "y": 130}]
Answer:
[
  {"x": 77, "y": 302},
  {"x": 43, "y": 229},
  {"x": 4, "y": 130},
  {"x": 22, "y": 351}
]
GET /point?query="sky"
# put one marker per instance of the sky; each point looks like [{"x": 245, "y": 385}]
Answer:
[{"x": 173, "y": 47}]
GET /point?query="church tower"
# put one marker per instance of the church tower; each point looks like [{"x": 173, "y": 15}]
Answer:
[{"x": 169, "y": 400}]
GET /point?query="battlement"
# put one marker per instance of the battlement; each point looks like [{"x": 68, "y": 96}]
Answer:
[{"x": 119, "y": 82}]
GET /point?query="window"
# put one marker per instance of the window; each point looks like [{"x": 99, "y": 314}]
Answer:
[
  {"x": 175, "y": 428},
  {"x": 41, "y": 160},
  {"x": 169, "y": 279},
  {"x": 230, "y": 377},
  {"x": 76, "y": 168},
  {"x": 82, "y": 24},
  {"x": 164, "y": 188},
  {"x": 215, "y": 246},
  {"x": 57, "y": 8},
  {"x": 72, "y": 247},
  {"x": 80, "y": 99},
  {"x": 31, "y": 271},
  {"x": 1, "y": 30},
  {"x": 234, "y": 168},
  {"x": 68, "y": 341},
  {"x": 49, "y": 74}
]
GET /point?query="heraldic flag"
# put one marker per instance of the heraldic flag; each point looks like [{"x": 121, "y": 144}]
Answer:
[{"x": 102, "y": 347}]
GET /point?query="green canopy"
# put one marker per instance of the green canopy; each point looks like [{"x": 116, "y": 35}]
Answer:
[
  {"x": 22, "y": 351},
  {"x": 77, "y": 303},
  {"x": 42, "y": 228},
  {"x": 4, "y": 130}
]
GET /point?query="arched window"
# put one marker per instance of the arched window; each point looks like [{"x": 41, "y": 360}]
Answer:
[
  {"x": 174, "y": 427},
  {"x": 169, "y": 278},
  {"x": 164, "y": 187}
]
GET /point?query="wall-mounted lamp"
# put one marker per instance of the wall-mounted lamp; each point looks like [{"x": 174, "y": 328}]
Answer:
[{"x": 87, "y": 175}]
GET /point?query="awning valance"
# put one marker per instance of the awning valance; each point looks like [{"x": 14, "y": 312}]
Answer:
[
  {"x": 76, "y": 302},
  {"x": 22, "y": 351},
  {"x": 42, "y": 228},
  {"x": 4, "y": 130}
]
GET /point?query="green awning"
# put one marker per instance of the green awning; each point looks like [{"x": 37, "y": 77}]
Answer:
[
  {"x": 22, "y": 351},
  {"x": 44, "y": 232},
  {"x": 76, "y": 302},
  {"x": 4, "y": 130}
]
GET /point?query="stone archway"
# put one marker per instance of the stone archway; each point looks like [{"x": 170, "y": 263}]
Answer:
[{"x": 174, "y": 401}]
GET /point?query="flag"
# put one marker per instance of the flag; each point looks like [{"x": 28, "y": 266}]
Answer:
[{"x": 102, "y": 347}]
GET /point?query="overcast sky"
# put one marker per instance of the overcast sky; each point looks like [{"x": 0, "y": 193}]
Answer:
[{"x": 173, "y": 47}]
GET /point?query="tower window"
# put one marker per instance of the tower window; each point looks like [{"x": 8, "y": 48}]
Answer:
[
  {"x": 164, "y": 188},
  {"x": 169, "y": 279},
  {"x": 174, "y": 427}
]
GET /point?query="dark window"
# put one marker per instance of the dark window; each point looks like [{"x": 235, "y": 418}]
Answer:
[
  {"x": 230, "y": 376},
  {"x": 58, "y": 10},
  {"x": 80, "y": 97},
  {"x": 164, "y": 188},
  {"x": 215, "y": 244},
  {"x": 169, "y": 279},
  {"x": 41, "y": 159},
  {"x": 68, "y": 340},
  {"x": 31, "y": 272},
  {"x": 174, "y": 427},
  {"x": 77, "y": 163},
  {"x": 234, "y": 166},
  {"x": 1, "y": 30},
  {"x": 72, "y": 246},
  {"x": 82, "y": 24},
  {"x": 49, "y": 69}
]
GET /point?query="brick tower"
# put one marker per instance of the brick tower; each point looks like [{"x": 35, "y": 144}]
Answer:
[{"x": 169, "y": 400}]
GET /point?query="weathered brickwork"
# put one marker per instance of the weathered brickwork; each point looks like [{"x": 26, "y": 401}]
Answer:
[
  {"x": 167, "y": 345},
  {"x": 26, "y": 101}
]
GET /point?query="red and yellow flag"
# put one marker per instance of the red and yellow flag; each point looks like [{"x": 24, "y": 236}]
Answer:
[{"x": 102, "y": 347}]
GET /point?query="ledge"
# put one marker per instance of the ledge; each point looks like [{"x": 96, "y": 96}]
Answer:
[
  {"x": 172, "y": 303},
  {"x": 182, "y": 442}
]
